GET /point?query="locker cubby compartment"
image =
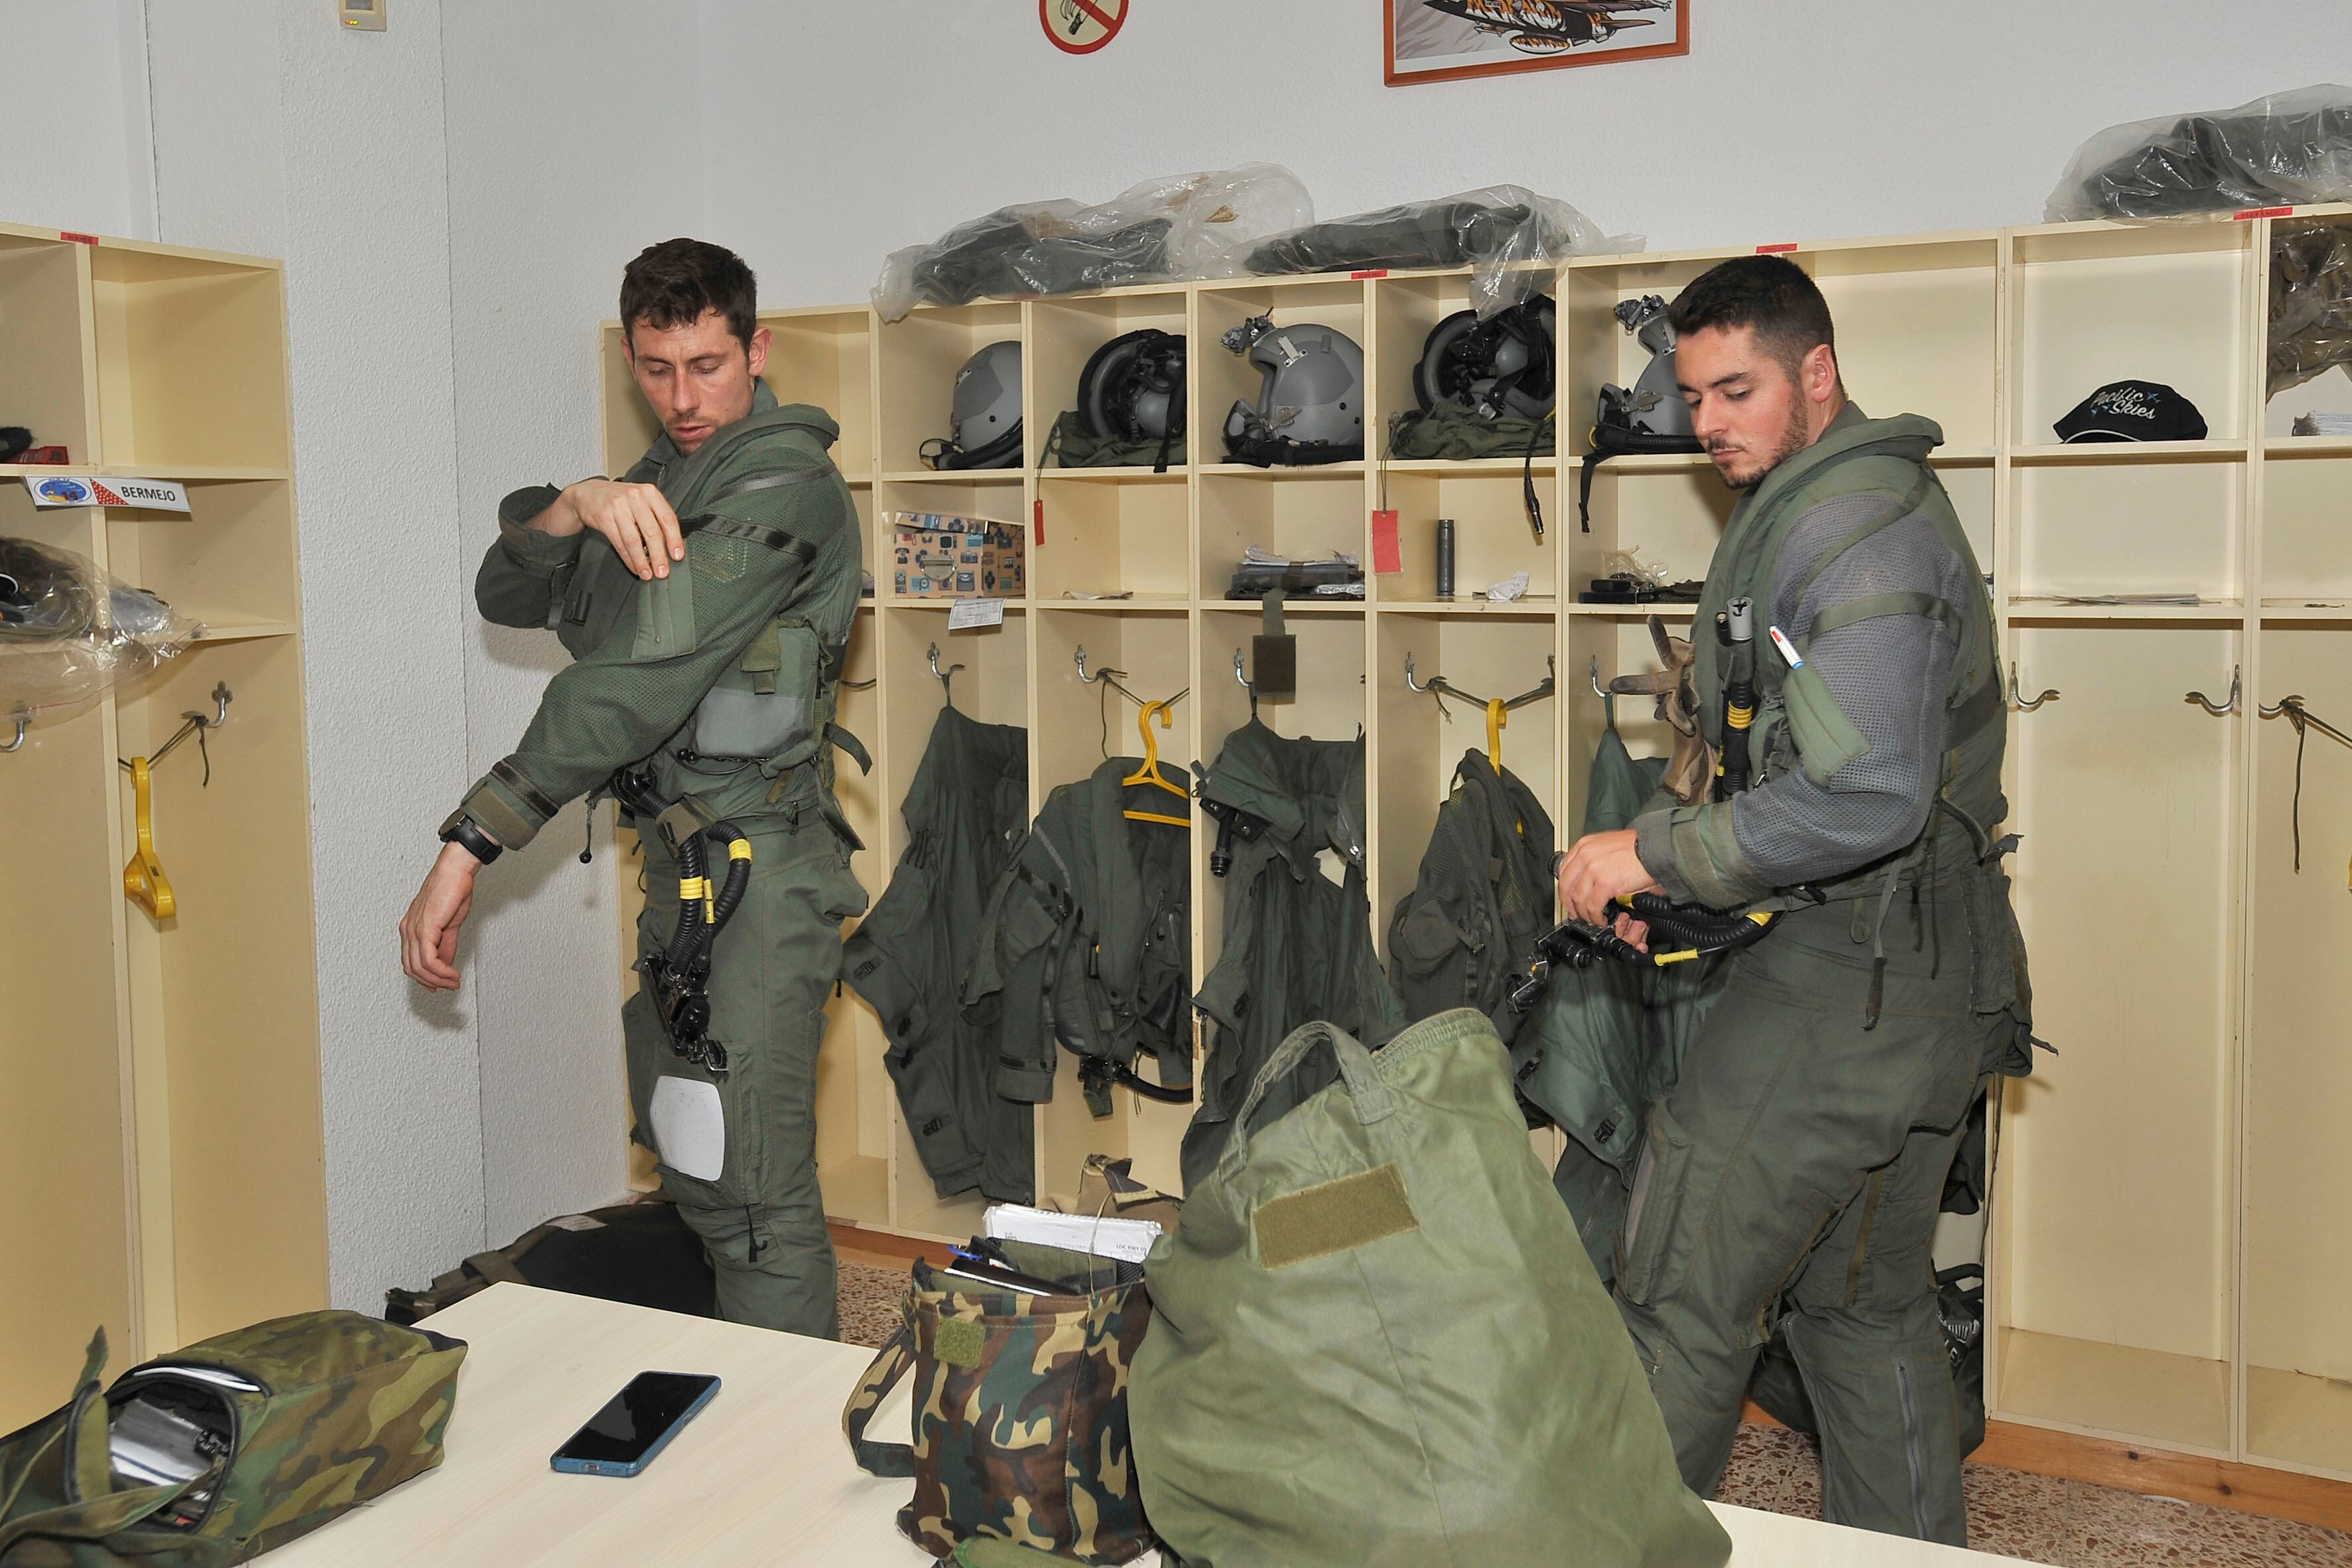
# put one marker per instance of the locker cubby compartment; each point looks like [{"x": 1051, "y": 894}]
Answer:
[
  {"x": 2115, "y": 1243},
  {"x": 1669, "y": 513},
  {"x": 1222, "y": 378},
  {"x": 2330, "y": 391},
  {"x": 1915, "y": 332},
  {"x": 2128, "y": 527},
  {"x": 629, "y": 425},
  {"x": 1418, "y": 746},
  {"x": 44, "y": 329},
  {"x": 1600, "y": 350},
  {"x": 191, "y": 363},
  {"x": 919, "y": 357},
  {"x": 895, "y": 500},
  {"x": 2298, "y": 1172},
  {"x": 854, "y": 1092},
  {"x": 2157, "y": 302},
  {"x": 1492, "y": 536},
  {"x": 1405, "y": 311},
  {"x": 1330, "y": 706},
  {"x": 1065, "y": 334},
  {"x": 1304, "y": 514},
  {"x": 991, "y": 686},
  {"x": 1603, "y": 644},
  {"x": 1131, "y": 535},
  {"x": 2306, "y": 547},
  {"x": 825, "y": 357},
  {"x": 228, "y": 562}
]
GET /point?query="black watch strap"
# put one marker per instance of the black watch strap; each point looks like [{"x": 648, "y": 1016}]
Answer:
[{"x": 479, "y": 844}]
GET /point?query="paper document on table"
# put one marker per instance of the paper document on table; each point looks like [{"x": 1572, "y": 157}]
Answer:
[{"x": 1106, "y": 1237}]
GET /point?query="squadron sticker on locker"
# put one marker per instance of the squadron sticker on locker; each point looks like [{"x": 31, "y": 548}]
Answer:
[{"x": 88, "y": 489}]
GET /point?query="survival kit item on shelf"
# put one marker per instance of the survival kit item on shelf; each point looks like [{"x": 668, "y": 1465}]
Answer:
[
  {"x": 640, "y": 1253},
  {"x": 1648, "y": 417},
  {"x": 1298, "y": 943},
  {"x": 1021, "y": 1355},
  {"x": 1174, "y": 229},
  {"x": 1328, "y": 1312},
  {"x": 1631, "y": 581},
  {"x": 1338, "y": 575},
  {"x": 2132, "y": 411},
  {"x": 230, "y": 1447},
  {"x": 936, "y": 555},
  {"x": 1130, "y": 407},
  {"x": 2311, "y": 303},
  {"x": 69, "y": 631},
  {"x": 2288, "y": 149},
  {"x": 984, "y": 414},
  {"x": 1510, "y": 239},
  {"x": 1310, "y": 397},
  {"x": 965, "y": 814}
]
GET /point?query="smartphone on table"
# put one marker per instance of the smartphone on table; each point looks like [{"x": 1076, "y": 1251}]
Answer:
[{"x": 636, "y": 1423}]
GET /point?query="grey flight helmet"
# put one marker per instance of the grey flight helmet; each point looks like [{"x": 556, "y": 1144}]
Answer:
[
  {"x": 1310, "y": 399},
  {"x": 984, "y": 417}
]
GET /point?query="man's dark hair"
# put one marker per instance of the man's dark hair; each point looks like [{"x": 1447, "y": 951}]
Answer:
[
  {"x": 673, "y": 283},
  {"x": 1770, "y": 293}
]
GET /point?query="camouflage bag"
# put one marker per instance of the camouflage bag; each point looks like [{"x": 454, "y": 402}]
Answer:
[
  {"x": 292, "y": 1422},
  {"x": 1020, "y": 1410}
]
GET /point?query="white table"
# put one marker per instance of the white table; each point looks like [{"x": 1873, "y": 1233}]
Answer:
[{"x": 761, "y": 1476}]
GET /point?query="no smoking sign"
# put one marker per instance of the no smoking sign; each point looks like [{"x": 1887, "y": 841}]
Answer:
[{"x": 1081, "y": 26}]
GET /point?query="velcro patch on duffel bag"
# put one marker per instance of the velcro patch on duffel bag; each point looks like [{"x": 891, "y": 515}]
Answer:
[{"x": 1333, "y": 1217}]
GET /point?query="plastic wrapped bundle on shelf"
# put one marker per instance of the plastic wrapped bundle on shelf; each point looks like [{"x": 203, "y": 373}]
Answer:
[
  {"x": 69, "y": 632},
  {"x": 1172, "y": 229},
  {"x": 2311, "y": 302},
  {"x": 1509, "y": 237},
  {"x": 2288, "y": 149}
]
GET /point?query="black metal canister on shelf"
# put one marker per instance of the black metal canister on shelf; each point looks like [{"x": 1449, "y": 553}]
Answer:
[{"x": 1445, "y": 558}]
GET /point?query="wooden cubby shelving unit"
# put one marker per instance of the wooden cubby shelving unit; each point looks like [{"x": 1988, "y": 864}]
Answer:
[
  {"x": 165, "y": 1159},
  {"x": 2168, "y": 1264}
]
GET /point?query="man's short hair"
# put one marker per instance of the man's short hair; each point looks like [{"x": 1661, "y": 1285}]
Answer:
[
  {"x": 673, "y": 283},
  {"x": 1770, "y": 293}
]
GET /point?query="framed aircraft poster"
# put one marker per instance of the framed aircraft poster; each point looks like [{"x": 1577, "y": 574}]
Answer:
[{"x": 1438, "y": 40}]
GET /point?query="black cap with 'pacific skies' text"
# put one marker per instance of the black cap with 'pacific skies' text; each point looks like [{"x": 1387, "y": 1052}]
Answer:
[{"x": 2133, "y": 411}]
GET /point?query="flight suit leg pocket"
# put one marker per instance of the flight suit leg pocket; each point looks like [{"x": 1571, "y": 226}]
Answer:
[{"x": 1656, "y": 1251}]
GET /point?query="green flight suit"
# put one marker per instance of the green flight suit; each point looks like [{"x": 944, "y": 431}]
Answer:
[
  {"x": 1791, "y": 1177},
  {"x": 754, "y": 620}
]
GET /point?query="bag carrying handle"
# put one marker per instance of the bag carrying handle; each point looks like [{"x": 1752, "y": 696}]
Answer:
[
  {"x": 102, "y": 1510},
  {"x": 889, "y": 1364},
  {"x": 1369, "y": 1096}
]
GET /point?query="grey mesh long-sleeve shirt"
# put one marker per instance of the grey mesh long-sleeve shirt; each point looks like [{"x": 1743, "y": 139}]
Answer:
[{"x": 1890, "y": 676}]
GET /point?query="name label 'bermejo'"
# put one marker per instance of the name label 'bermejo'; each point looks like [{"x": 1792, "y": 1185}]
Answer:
[{"x": 89, "y": 490}]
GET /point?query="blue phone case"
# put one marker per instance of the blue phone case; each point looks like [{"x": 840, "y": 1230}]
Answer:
[{"x": 606, "y": 1467}]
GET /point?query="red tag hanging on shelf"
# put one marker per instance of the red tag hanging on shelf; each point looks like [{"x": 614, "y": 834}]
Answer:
[{"x": 1386, "y": 556}]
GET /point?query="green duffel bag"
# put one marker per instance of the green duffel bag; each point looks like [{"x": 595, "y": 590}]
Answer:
[
  {"x": 224, "y": 1449},
  {"x": 1376, "y": 1339}
]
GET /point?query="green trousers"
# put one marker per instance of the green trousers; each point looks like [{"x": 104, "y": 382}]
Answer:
[
  {"x": 738, "y": 1149},
  {"x": 1795, "y": 1170}
]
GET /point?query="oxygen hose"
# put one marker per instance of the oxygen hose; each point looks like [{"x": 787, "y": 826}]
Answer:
[
  {"x": 1678, "y": 933},
  {"x": 678, "y": 977}
]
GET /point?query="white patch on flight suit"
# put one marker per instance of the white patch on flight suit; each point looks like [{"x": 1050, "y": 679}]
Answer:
[{"x": 689, "y": 1127}]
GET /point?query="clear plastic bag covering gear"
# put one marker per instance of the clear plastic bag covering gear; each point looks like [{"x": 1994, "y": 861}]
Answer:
[
  {"x": 2288, "y": 149},
  {"x": 2311, "y": 301},
  {"x": 69, "y": 632},
  {"x": 1175, "y": 228},
  {"x": 1509, "y": 237}
]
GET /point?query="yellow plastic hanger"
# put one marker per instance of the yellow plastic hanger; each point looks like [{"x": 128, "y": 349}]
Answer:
[
  {"x": 143, "y": 882},
  {"x": 1497, "y": 715},
  {"x": 1149, "y": 774}
]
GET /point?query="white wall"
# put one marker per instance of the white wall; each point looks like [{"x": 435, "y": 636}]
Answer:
[
  {"x": 1789, "y": 118},
  {"x": 454, "y": 199}
]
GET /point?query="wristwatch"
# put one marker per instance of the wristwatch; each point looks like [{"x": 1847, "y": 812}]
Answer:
[{"x": 464, "y": 830}]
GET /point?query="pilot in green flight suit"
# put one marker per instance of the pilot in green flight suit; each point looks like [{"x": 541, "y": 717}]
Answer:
[
  {"x": 1791, "y": 1177},
  {"x": 706, "y": 599}
]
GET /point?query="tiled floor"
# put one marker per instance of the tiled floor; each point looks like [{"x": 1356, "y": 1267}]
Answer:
[
  {"x": 2043, "y": 1520},
  {"x": 2011, "y": 1513}
]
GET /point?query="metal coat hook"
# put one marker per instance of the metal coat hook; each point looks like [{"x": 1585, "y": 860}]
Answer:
[
  {"x": 1108, "y": 677},
  {"x": 23, "y": 721},
  {"x": 1593, "y": 669},
  {"x": 1240, "y": 675},
  {"x": 945, "y": 676},
  {"x": 2017, "y": 698},
  {"x": 195, "y": 724},
  {"x": 2219, "y": 709},
  {"x": 1440, "y": 688}
]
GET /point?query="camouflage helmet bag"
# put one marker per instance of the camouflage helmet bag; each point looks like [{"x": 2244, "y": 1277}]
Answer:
[
  {"x": 300, "y": 1418},
  {"x": 1020, "y": 1411}
]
